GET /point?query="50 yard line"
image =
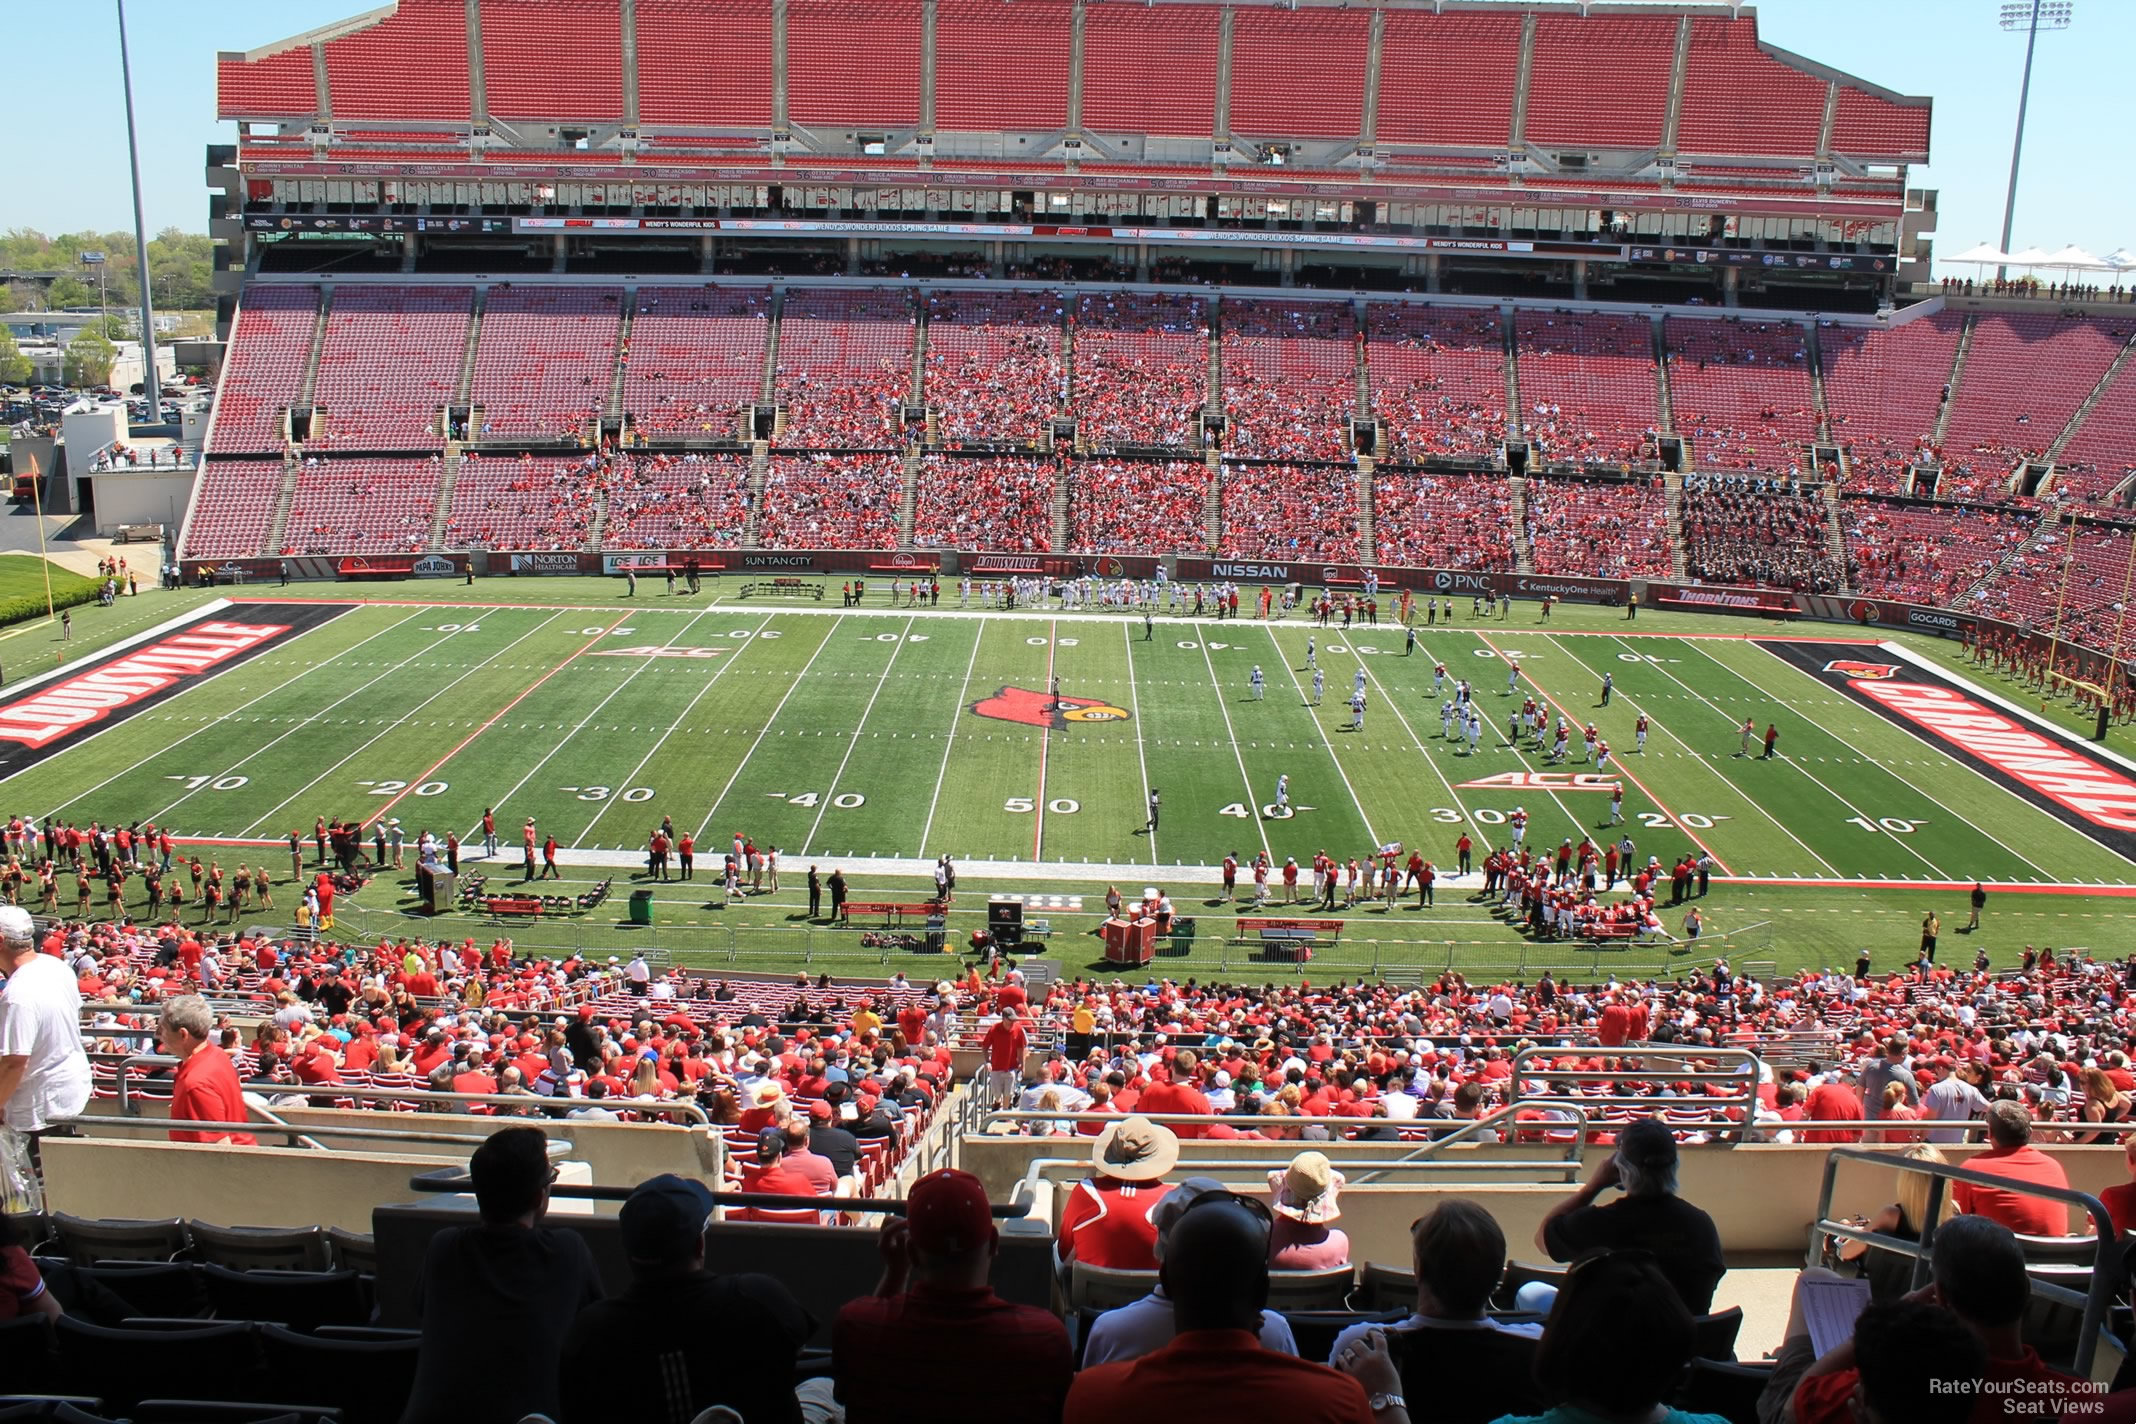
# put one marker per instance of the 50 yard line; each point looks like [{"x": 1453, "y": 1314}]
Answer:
[
  {"x": 1045, "y": 735},
  {"x": 1141, "y": 758}
]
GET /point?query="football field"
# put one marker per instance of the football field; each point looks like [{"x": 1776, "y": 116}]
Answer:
[{"x": 896, "y": 736}]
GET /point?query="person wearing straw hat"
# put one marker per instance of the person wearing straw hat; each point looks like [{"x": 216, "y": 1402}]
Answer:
[
  {"x": 1305, "y": 1200},
  {"x": 1109, "y": 1219},
  {"x": 1130, "y": 1331}
]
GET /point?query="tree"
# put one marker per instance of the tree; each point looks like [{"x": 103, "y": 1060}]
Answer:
[
  {"x": 70, "y": 292},
  {"x": 14, "y": 366},
  {"x": 90, "y": 358}
]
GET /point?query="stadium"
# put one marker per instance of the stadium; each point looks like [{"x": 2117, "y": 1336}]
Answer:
[{"x": 1017, "y": 614}]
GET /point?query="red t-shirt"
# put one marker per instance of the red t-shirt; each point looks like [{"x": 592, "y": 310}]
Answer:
[
  {"x": 1166, "y": 1097},
  {"x": 2120, "y": 1204},
  {"x": 205, "y": 1089},
  {"x": 1107, "y": 1223},
  {"x": 1832, "y": 1102},
  {"x": 1205, "y": 1373},
  {"x": 2034, "y": 1216},
  {"x": 1005, "y": 1043},
  {"x": 19, "y": 1282}
]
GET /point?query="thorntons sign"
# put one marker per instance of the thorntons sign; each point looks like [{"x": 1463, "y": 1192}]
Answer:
[{"x": 57, "y": 710}]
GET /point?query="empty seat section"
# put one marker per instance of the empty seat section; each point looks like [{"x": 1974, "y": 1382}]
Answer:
[
  {"x": 845, "y": 367},
  {"x": 1736, "y": 532},
  {"x": 1740, "y": 390},
  {"x": 1290, "y": 512},
  {"x": 272, "y": 86},
  {"x": 1883, "y": 390},
  {"x": 681, "y": 41},
  {"x": 1141, "y": 369},
  {"x": 2030, "y": 588},
  {"x": 2101, "y": 456},
  {"x": 696, "y": 356},
  {"x": 1600, "y": 81},
  {"x": 1001, "y": 66},
  {"x": 232, "y": 508},
  {"x": 1290, "y": 379},
  {"x": 993, "y": 363},
  {"x": 1003, "y": 505},
  {"x": 1598, "y": 528},
  {"x": 677, "y": 502},
  {"x": 1298, "y": 73},
  {"x": 545, "y": 359},
  {"x": 390, "y": 362},
  {"x": 1587, "y": 382},
  {"x": 1443, "y": 521},
  {"x": 370, "y": 71},
  {"x": 265, "y": 370},
  {"x": 1150, "y": 71},
  {"x": 362, "y": 506},
  {"x": 1739, "y": 99},
  {"x": 2025, "y": 375},
  {"x": 522, "y": 503},
  {"x": 1926, "y": 553},
  {"x": 520, "y": 72},
  {"x": 831, "y": 502},
  {"x": 1437, "y": 379},
  {"x": 1138, "y": 507},
  {"x": 853, "y": 62},
  {"x": 1420, "y": 51},
  {"x": 1871, "y": 126}
]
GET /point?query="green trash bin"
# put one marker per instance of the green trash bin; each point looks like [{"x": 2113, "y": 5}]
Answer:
[{"x": 641, "y": 907}]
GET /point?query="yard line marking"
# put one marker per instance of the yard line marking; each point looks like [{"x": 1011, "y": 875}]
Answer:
[
  {"x": 754, "y": 639},
  {"x": 405, "y": 719},
  {"x": 1835, "y": 698},
  {"x": 950, "y": 741},
  {"x": 1045, "y": 740},
  {"x": 1729, "y": 717},
  {"x": 1217, "y": 686},
  {"x": 362, "y": 687},
  {"x": 1394, "y": 705},
  {"x": 1141, "y": 758},
  {"x": 764, "y": 730},
  {"x": 1741, "y": 794},
  {"x": 497, "y": 716},
  {"x": 212, "y": 722},
  {"x": 587, "y": 720},
  {"x": 853, "y": 743},
  {"x": 1327, "y": 738},
  {"x": 1571, "y": 716}
]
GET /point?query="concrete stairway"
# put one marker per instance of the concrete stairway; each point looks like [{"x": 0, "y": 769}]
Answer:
[
  {"x": 1836, "y": 537},
  {"x": 1673, "y": 486},
  {"x": 447, "y": 479},
  {"x": 1517, "y": 512}
]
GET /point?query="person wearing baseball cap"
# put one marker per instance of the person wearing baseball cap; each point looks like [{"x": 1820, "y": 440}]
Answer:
[
  {"x": 1649, "y": 1216},
  {"x": 44, "y": 1068},
  {"x": 934, "y": 1342},
  {"x": 694, "y": 1338}
]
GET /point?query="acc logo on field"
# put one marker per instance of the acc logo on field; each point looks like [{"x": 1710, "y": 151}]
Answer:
[
  {"x": 1876, "y": 671},
  {"x": 655, "y": 651},
  {"x": 1543, "y": 781},
  {"x": 1040, "y": 709}
]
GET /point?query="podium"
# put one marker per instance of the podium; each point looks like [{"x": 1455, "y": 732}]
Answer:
[
  {"x": 1130, "y": 941},
  {"x": 440, "y": 890}
]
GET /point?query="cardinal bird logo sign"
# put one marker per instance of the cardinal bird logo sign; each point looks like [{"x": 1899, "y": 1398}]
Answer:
[
  {"x": 1866, "y": 672},
  {"x": 1043, "y": 709}
]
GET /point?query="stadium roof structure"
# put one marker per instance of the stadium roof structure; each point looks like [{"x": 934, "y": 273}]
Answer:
[{"x": 1559, "y": 104}]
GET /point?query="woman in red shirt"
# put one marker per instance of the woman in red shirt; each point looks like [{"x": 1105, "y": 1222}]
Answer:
[{"x": 205, "y": 1088}]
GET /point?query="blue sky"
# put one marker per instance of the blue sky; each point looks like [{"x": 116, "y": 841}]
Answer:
[{"x": 1950, "y": 49}]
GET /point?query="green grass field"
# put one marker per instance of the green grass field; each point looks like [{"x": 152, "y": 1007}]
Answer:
[
  {"x": 23, "y": 576},
  {"x": 851, "y": 738}
]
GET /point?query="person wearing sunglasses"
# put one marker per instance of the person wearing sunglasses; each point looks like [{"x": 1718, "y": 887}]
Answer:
[{"x": 1215, "y": 1272}]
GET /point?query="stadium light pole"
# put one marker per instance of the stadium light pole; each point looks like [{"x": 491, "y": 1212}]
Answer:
[
  {"x": 150, "y": 390},
  {"x": 2032, "y": 16}
]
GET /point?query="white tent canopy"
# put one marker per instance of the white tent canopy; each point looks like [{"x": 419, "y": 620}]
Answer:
[
  {"x": 2120, "y": 260},
  {"x": 1981, "y": 254},
  {"x": 2074, "y": 258},
  {"x": 2030, "y": 257}
]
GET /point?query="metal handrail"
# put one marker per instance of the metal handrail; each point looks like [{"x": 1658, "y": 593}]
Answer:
[
  {"x": 692, "y": 1113},
  {"x": 297, "y": 1136},
  {"x": 438, "y": 1182},
  {"x": 2107, "y": 1264}
]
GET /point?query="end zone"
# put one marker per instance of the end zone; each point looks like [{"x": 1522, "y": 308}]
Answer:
[{"x": 2086, "y": 788}]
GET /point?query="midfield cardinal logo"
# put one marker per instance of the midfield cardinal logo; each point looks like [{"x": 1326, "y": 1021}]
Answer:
[
  {"x": 1868, "y": 672},
  {"x": 1043, "y": 709}
]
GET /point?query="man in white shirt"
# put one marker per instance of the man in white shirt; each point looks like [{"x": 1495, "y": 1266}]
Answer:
[
  {"x": 44, "y": 1069},
  {"x": 1130, "y": 1331}
]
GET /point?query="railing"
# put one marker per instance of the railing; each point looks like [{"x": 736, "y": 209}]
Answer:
[
  {"x": 2105, "y": 1274},
  {"x": 455, "y": 1183},
  {"x": 1743, "y": 1077},
  {"x": 270, "y": 1125},
  {"x": 524, "y": 1103}
]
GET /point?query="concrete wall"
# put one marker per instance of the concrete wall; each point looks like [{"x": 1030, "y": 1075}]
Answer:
[
  {"x": 140, "y": 497},
  {"x": 1762, "y": 1198},
  {"x": 229, "y": 1186}
]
